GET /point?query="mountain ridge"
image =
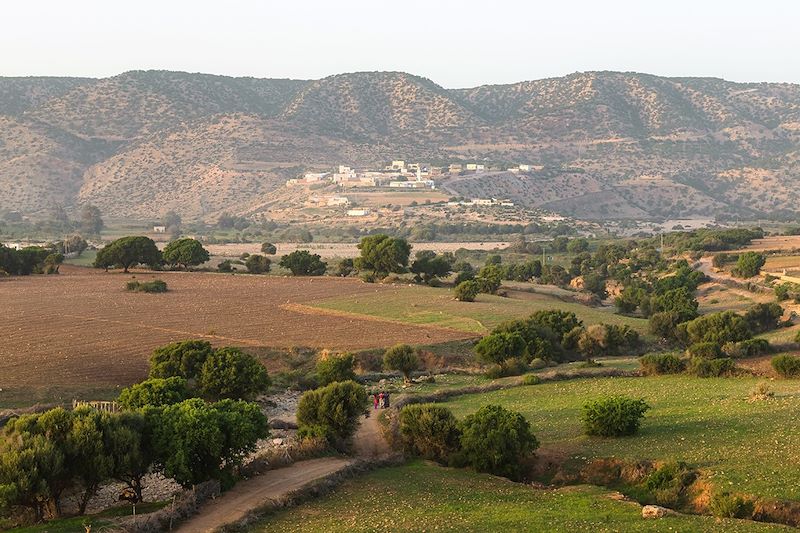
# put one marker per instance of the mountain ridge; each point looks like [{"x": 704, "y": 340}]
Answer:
[{"x": 122, "y": 141}]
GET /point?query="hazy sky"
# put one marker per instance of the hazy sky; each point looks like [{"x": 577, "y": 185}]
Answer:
[{"x": 455, "y": 43}]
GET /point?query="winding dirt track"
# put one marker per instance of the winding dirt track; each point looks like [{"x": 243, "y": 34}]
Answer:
[
  {"x": 81, "y": 329},
  {"x": 256, "y": 492}
]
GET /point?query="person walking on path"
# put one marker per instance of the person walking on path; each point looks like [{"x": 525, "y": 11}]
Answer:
[
  {"x": 386, "y": 401},
  {"x": 382, "y": 397},
  {"x": 375, "y": 400}
]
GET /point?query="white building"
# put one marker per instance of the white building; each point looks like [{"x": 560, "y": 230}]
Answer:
[
  {"x": 159, "y": 229},
  {"x": 362, "y": 212}
]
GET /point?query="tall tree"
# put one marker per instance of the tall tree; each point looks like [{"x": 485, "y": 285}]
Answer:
[
  {"x": 91, "y": 222},
  {"x": 185, "y": 252},
  {"x": 127, "y": 252},
  {"x": 383, "y": 254}
]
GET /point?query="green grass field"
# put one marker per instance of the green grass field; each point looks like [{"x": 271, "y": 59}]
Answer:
[
  {"x": 423, "y": 497},
  {"x": 99, "y": 522},
  {"x": 427, "y": 305},
  {"x": 749, "y": 447}
]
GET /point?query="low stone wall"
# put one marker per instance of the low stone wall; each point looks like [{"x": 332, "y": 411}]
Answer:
[{"x": 185, "y": 506}]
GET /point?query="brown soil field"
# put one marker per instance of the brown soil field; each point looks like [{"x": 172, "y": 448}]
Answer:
[
  {"x": 781, "y": 242},
  {"x": 81, "y": 330}
]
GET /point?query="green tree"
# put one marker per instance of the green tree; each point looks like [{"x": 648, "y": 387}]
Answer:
[
  {"x": 269, "y": 249},
  {"x": 257, "y": 264},
  {"x": 749, "y": 264},
  {"x": 184, "y": 359},
  {"x": 231, "y": 373},
  {"x": 718, "y": 328},
  {"x": 185, "y": 252},
  {"x": 129, "y": 442},
  {"x": 383, "y": 254},
  {"x": 496, "y": 440},
  {"x": 429, "y": 431},
  {"x": 402, "y": 358},
  {"x": 498, "y": 348},
  {"x": 332, "y": 412},
  {"x": 154, "y": 392},
  {"x": 489, "y": 278},
  {"x": 87, "y": 454},
  {"x": 428, "y": 266},
  {"x": 26, "y": 465},
  {"x": 336, "y": 367},
  {"x": 576, "y": 246},
  {"x": 763, "y": 317},
  {"x": 127, "y": 252},
  {"x": 53, "y": 262},
  {"x": 195, "y": 441},
  {"x": 91, "y": 220},
  {"x": 304, "y": 263}
]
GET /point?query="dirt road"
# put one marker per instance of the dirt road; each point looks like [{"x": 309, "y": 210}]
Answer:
[{"x": 255, "y": 492}]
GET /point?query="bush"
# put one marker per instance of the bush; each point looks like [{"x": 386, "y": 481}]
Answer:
[
  {"x": 332, "y": 412},
  {"x": 225, "y": 266},
  {"x": 257, "y": 264},
  {"x": 748, "y": 348},
  {"x": 154, "y": 392},
  {"x": 656, "y": 364},
  {"x": 429, "y": 431},
  {"x": 537, "y": 363},
  {"x": 499, "y": 347},
  {"x": 231, "y": 373},
  {"x": 155, "y": 286},
  {"x": 727, "y": 505},
  {"x": 335, "y": 367},
  {"x": 531, "y": 379},
  {"x": 788, "y": 366},
  {"x": 705, "y": 350},
  {"x": 668, "y": 482},
  {"x": 467, "y": 291},
  {"x": 496, "y": 440},
  {"x": 711, "y": 368},
  {"x": 403, "y": 358},
  {"x": 615, "y": 416},
  {"x": 269, "y": 249},
  {"x": 720, "y": 328}
]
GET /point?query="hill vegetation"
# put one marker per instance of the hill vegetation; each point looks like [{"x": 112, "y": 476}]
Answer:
[{"x": 627, "y": 144}]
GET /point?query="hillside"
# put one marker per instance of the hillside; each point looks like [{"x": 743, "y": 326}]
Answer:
[{"x": 613, "y": 145}]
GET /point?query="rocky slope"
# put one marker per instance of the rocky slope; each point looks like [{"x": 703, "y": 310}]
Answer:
[{"x": 614, "y": 145}]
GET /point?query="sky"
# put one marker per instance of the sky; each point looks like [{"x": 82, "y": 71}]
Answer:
[{"x": 455, "y": 43}]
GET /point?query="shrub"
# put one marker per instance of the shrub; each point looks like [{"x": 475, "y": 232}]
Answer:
[
  {"x": 748, "y": 348},
  {"x": 656, "y": 364},
  {"x": 403, "y": 358},
  {"x": 711, "y": 368},
  {"x": 788, "y": 366},
  {"x": 668, "y": 482},
  {"x": 155, "y": 286},
  {"x": 727, "y": 505},
  {"x": 429, "y": 431},
  {"x": 269, "y": 249},
  {"x": 705, "y": 350},
  {"x": 231, "y": 373},
  {"x": 467, "y": 291},
  {"x": 537, "y": 363},
  {"x": 763, "y": 317},
  {"x": 531, "y": 379},
  {"x": 332, "y": 412},
  {"x": 335, "y": 367},
  {"x": 496, "y": 440},
  {"x": 761, "y": 392},
  {"x": 154, "y": 392},
  {"x": 225, "y": 266},
  {"x": 615, "y": 416}
]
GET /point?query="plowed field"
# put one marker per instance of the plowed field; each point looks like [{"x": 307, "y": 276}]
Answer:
[{"x": 81, "y": 329}]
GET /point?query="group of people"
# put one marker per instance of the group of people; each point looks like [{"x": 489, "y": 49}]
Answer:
[{"x": 380, "y": 400}]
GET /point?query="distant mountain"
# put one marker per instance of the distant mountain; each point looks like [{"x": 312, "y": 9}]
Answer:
[{"x": 612, "y": 145}]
